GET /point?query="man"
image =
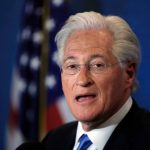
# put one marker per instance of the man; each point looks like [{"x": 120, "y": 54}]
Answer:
[{"x": 99, "y": 57}]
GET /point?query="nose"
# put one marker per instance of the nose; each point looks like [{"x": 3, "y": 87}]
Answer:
[{"x": 84, "y": 78}]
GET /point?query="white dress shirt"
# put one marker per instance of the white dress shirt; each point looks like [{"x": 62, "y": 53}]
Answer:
[{"x": 100, "y": 136}]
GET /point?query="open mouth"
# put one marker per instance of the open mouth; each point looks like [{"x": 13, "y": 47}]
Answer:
[{"x": 81, "y": 98}]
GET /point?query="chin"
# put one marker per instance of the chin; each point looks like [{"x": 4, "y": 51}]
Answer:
[{"x": 85, "y": 118}]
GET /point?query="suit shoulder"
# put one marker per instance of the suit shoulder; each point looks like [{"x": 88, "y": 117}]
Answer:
[
  {"x": 144, "y": 116},
  {"x": 141, "y": 122},
  {"x": 142, "y": 134},
  {"x": 62, "y": 131}
]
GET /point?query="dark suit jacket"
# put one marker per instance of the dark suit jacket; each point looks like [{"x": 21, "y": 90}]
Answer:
[{"x": 133, "y": 133}]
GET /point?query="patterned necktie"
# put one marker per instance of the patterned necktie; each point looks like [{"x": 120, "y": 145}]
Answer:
[{"x": 84, "y": 142}]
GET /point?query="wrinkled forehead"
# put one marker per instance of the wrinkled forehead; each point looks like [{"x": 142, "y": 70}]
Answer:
[{"x": 89, "y": 38}]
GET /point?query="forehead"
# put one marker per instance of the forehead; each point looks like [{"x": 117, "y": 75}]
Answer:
[{"x": 84, "y": 43}]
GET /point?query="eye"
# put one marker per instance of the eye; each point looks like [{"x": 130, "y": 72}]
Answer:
[
  {"x": 98, "y": 65},
  {"x": 71, "y": 66}
]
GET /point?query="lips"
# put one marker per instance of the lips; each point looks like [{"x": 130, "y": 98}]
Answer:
[{"x": 85, "y": 97}]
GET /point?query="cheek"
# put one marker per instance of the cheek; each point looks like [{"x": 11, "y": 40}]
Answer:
[
  {"x": 67, "y": 86},
  {"x": 115, "y": 90},
  {"x": 104, "y": 85},
  {"x": 64, "y": 85}
]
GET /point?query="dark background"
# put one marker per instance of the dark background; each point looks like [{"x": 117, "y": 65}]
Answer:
[{"x": 135, "y": 12}]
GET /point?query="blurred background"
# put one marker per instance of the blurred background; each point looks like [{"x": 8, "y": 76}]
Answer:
[{"x": 31, "y": 100}]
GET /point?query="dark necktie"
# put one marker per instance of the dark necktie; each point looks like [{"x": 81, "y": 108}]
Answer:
[{"x": 84, "y": 142}]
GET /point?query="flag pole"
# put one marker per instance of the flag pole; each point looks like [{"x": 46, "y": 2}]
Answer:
[{"x": 43, "y": 72}]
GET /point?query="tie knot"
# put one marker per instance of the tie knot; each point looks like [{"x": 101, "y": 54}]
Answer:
[{"x": 85, "y": 142}]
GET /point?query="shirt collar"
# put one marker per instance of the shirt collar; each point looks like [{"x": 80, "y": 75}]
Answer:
[{"x": 105, "y": 130}]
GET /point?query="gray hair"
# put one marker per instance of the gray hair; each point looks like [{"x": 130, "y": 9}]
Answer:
[{"x": 125, "y": 45}]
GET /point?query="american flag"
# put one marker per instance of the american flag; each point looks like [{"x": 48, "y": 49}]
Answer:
[{"x": 37, "y": 101}]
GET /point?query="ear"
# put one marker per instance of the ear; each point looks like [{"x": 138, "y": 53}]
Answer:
[{"x": 130, "y": 72}]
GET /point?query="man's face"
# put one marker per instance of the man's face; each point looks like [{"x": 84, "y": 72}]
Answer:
[{"x": 94, "y": 97}]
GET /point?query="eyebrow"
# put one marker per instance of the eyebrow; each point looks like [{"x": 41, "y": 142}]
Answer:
[
  {"x": 97, "y": 56},
  {"x": 69, "y": 58}
]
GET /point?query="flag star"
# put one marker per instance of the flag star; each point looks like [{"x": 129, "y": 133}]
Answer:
[
  {"x": 50, "y": 81},
  {"x": 32, "y": 88},
  {"x": 50, "y": 24},
  {"x": 57, "y": 2},
  {"x": 35, "y": 63},
  {"x": 37, "y": 37},
  {"x": 55, "y": 57},
  {"x": 21, "y": 85},
  {"x": 26, "y": 33},
  {"x": 24, "y": 59}
]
